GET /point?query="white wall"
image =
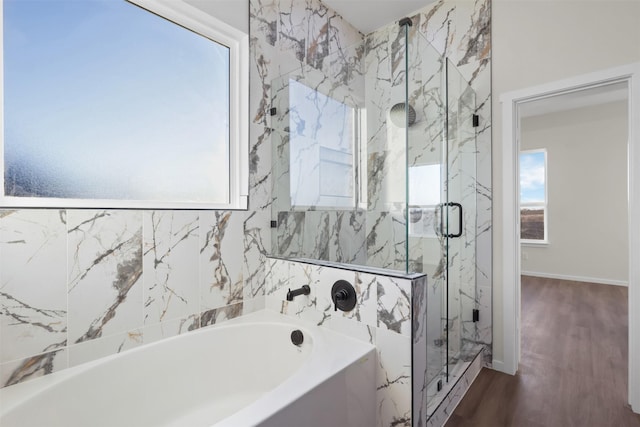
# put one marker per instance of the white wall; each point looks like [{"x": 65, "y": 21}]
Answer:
[
  {"x": 535, "y": 42},
  {"x": 587, "y": 193}
]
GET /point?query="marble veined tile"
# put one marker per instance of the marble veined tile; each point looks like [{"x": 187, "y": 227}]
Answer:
[
  {"x": 263, "y": 22},
  {"x": 393, "y": 379},
  {"x": 105, "y": 289},
  {"x": 322, "y": 280},
  {"x": 348, "y": 241},
  {"x": 290, "y": 233},
  {"x": 17, "y": 371},
  {"x": 33, "y": 289},
  {"x": 257, "y": 241},
  {"x": 317, "y": 40},
  {"x": 365, "y": 311},
  {"x": 104, "y": 346},
  {"x": 252, "y": 305},
  {"x": 170, "y": 263},
  {"x": 317, "y": 233},
  {"x": 221, "y": 248},
  {"x": 293, "y": 27},
  {"x": 279, "y": 278},
  {"x": 341, "y": 34},
  {"x": 352, "y": 328},
  {"x": 344, "y": 63},
  {"x": 170, "y": 328},
  {"x": 220, "y": 314},
  {"x": 394, "y": 304}
]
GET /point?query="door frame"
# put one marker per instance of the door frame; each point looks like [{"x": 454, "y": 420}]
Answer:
[{"x": 511, "y": 270}]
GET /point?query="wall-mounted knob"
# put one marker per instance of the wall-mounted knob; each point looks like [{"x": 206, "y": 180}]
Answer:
[{"x": 343, "y": 296}]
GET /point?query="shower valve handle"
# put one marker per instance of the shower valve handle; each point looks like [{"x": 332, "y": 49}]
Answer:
[{"x": 343, "y": 296}]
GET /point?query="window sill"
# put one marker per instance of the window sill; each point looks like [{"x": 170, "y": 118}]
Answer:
[{"x": 534, "y": 243}]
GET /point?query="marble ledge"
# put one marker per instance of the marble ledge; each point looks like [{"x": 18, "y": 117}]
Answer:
[
  {"x": 455, "y": 392},
  {"x": 356, "y": 268}
]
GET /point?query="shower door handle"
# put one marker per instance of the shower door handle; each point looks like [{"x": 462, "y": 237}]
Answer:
[
  {"x": 459, "y": 206},
  {"x": 452, "y": 204}
]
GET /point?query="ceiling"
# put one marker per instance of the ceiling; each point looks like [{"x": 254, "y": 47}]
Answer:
[
  {"x": 369, "y": 15},
  {"x": 578, "y": 99}
]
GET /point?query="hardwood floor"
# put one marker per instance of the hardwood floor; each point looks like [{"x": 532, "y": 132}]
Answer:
[{"x": 573, "y": 369}]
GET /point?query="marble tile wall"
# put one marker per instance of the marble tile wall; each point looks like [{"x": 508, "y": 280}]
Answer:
[
  {"x": 389, "y": 312},
  {"x": 76, "y": 285},
  {"x": 459, "y": 29},
  {"x": 80, "y": 284}
]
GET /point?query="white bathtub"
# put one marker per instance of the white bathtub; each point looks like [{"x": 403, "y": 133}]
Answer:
[{"x": 245, "y": 372}]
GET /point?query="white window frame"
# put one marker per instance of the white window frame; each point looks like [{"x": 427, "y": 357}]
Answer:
[
  {"x": 214, "y": 29},
  {"x": 544, "y": 205}
]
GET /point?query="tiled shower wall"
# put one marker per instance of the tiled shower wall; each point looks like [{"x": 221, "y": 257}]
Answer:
[
  {"x": 460, "y": 31},
  {"x": 457, "y": 29}
]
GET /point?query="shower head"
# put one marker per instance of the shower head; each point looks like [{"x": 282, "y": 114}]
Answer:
[{"x": 397, "y": 115}]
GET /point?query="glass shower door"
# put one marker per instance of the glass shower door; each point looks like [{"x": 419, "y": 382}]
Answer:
[
  {"x": 459, "y": 215},
  {"x": 427, "y": 171},
  {"x": 441, "y": 169}
]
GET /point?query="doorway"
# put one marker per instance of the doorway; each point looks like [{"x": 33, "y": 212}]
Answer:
[{"x": 510, "y": 206}]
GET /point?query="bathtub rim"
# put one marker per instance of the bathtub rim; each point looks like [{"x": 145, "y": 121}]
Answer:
[{"x": 293, "y": 386}]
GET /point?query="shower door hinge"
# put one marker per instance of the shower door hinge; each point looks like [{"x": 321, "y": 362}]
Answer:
[
  {"x": 273, "y": 111},
  {"x": 476, "y": 314},
  {"x": 274, "y": 224},
  {"x": 476, "y": 120}
]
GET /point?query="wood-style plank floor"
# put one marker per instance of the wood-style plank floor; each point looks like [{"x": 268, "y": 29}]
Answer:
[{"x": 573, "y": 369}]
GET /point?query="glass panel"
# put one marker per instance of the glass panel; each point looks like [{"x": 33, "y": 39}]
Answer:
[
  {"x": 385, "y": 101},
  {"x": 104, "y": 100},
  {"x": 317, "y": 163},
  {"x": 533, "y": 194},
  {"x": 427, "y": 191},
  {"x": 532, "y": 223},
  {"x": 321, "y": 139},
  {"x": 461, "y": 225}
]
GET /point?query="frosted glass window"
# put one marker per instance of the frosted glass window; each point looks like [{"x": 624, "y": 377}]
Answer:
[{"x": 105, "y": 100}]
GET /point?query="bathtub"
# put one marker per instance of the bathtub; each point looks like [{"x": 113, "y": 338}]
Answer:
[{"x": 244, "y": 372}]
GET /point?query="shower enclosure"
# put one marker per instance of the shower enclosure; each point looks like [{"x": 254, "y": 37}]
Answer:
[{"x": 374, "y": 164}]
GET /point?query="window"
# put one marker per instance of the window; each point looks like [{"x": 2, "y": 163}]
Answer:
[
  {"x": 113, "y": 104},
  {"x": 533, "y": 196}
]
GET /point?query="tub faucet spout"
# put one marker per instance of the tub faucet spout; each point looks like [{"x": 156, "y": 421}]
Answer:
[{"x": 304, "y": 290}]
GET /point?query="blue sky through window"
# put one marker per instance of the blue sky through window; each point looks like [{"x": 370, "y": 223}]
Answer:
[
  {"x": 532, "y": 177},
  {"x": 106, "y": 100}
]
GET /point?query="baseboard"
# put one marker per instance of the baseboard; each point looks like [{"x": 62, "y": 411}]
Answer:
[
  {"x": 576, "y": 278},
  {"x": 498, "y": 365}
]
